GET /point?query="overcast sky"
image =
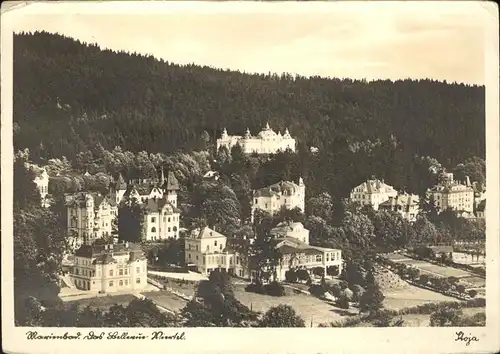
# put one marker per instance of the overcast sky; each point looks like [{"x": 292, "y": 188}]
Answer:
[{"x": 356, "y": 40}]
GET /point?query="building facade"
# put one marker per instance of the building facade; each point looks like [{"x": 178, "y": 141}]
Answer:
[
  {"x": 207, "y": 250},
  {"x": 266, "y": 142},
  {"x": 298, "y": 255},
  {"x": 407, "y": 205},
  {"x": 481, "y": 209},
  {"x": 107, "y": 268},
  {"x": 41, "y": 181},
  {"x": 294, "y": 230},
  {"x": 282, "y": 194},
  {"x": 372, "y": 192},
  {"x": 91, "y": 216},
  {"x": 451, "y": 194}
]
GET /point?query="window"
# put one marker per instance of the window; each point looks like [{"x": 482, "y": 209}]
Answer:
[
  {"x": 266, "y": 206},
  {"x": 121, "y": 283},
  {"x": 111, "y": 272},
  {"x": 153, "y": 229},
  {"x": 138, "y": 269},
  {"x": 168, "y": 219},
  {"x": 318, "y": 258},
  {"x": 120, "y": 272},
  {"x": 255, "y": 201},
  {"x": 196, "y": 257},
  {"x": 189, "y": 255},
  {"x": 215, "y": 243},
  {"x": 220, "y": 246},
  {"x": 138, "y": 280},
  {"x": 164, "y": 219},
  {"x": 110, "y": 283},
  {"x": 169, "y": 229},
  {"x": 76, "y": 271},
  {"x": 153, "y": 219},
  {"x": 196, "y": 247},
  {"x": 126, "y": 281}
]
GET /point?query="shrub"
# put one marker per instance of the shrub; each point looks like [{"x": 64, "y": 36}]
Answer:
[
  {"x": 336, "y": 290},
  {"x": 274, "y": 289},
  {"x": 255, "y": 288},
  {"x": 291, "y": 276},
  {"x": 343, "y": 302},
  {"x": 303, "y": 275},
  {"x": 317, "y": 290},
  {"x": 472, "y": 293}
]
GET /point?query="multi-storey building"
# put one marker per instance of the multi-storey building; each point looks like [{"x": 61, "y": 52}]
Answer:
[
  {"x": 372, "y": 192},
  {"x": 266, "y": 142},
  {"x": 451, "y": 194},
  {"x": 161, "y": 215},
  {"x": 42, "y": 182},
  {"x": 104, "y": 267},
  {"x": 295, "y": 230},
  {"x": 158, "y": 202},
  {"x": 282, "y": 194},
  {"x": 300, "y": 255},
  {"x": 405, "y": 204},
  {"x": 90, "y": 217},
  {"x": 206, "y": 250}
]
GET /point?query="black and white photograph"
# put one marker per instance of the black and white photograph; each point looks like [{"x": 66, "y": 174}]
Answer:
[{"x": 251, "y": 165}]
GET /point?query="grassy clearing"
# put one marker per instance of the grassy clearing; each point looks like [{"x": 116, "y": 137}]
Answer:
[
  {"x": 307, "y": 306},
  {"x": 412, "y": 296},
  {"x": 166, "y": 300}
]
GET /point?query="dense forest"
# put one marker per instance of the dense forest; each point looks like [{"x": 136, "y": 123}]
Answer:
[{"x": 70, "y": 96}]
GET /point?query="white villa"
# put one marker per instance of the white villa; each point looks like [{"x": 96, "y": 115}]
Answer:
[
  {"x": 293, "y": 244},
  {"x": 405, "y": 204},
  {"x": 90, "y": 217},
  {"x": 451, "y": 194},
  {"x": 206, "y": 250},
  {"x": 42, "y": 182},
  {"x": 106, "y": 268},
  {"x": 266, "y": 142},
  {"x": 372, "y": 192},
  {"x": 282, "y": 194}
]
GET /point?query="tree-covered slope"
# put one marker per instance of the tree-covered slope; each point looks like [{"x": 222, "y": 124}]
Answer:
[{"x": 69, "y": 96}]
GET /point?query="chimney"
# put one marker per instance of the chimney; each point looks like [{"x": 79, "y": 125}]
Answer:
[{"x": 467, "y": 181}]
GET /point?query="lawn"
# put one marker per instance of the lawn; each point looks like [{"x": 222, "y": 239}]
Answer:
[
  {"x": 104, "y": 302},
  {"x": 166, "y": 300},
  {"x": 307, "y": 306},
  {"x": 412, "y": 296},
  {"x": 424, "y": 320}
]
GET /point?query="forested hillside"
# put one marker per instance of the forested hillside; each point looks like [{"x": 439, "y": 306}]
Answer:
[{"x": 70, "y": 96}]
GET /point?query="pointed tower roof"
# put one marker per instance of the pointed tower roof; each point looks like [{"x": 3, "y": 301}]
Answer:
[
  {"x": 120, "y": 184},
  {"x": 267, "y": 126},
  {"x": 171, "y": 183}
]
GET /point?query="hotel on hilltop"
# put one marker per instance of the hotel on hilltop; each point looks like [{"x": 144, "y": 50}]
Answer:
[{"x": 266, "y": 142}]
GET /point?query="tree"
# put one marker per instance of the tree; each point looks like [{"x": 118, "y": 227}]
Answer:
[
  {"x": 372, "y": 300},
  {"x": 425, "y": 230},
  {"x": 25, "y": 191},
  {"x": 445, "y": 316},
  {"x": 320, "y": 206},
  {"x": 472, "y": 293},
  {"x": 281, "y": 316},
  {"x": 130, "y": 221}
]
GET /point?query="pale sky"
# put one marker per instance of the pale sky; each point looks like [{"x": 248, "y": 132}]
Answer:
[{"x": 355, "y": 40}]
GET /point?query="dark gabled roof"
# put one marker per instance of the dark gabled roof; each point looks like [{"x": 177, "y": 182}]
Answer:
[
  {"x": 154, "y": 205},
  {"x": 204, "y": 232},
  {"x": 283, "y": 187},
  {"x": 104, "y": 253},
  {"x": 104, "y": 258}
]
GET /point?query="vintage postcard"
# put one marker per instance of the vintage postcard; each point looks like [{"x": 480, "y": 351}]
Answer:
[{"x": 250, "y": 177}]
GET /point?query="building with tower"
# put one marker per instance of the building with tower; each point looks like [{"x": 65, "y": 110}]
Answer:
[
  {"x": 453, "y": 194},
  {"x": 90, "y": 216},
  {"x": 282, "y": 194},
  {"x": 266, "y": 142}
]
